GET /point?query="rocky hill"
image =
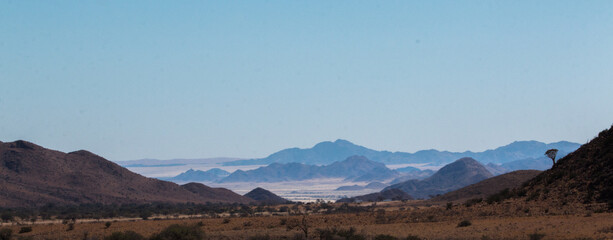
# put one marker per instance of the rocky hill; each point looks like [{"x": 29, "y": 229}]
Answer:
[
  {"x": 488, "y": 186},
  {"x": 264, "y": 196},
  {"x": 31, "y": 175},
  {"x": 458, "y": 174},
  {"x": 584, "y": 176}
]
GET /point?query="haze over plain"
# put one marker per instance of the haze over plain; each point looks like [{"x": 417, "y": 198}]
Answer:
[{"x": 129, "y": 80}]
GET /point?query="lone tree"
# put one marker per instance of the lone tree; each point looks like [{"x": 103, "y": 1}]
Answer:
[{"x": 551, "y": 153}]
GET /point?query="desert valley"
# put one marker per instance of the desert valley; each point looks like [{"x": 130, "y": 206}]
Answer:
[{"x": 48, "y": 194}]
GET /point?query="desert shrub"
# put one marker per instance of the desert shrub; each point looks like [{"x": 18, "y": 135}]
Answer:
[
  {"x": 225, "y": 221},
  {"x": 145, "y": 214},
  {"x": 25, "y": 229},
  {"x": 464, "y": 223},
  {"x": 70, "y": 227},
  {"x": 499, "y": 197},
  {"x": 283, "y": 221},
  {"x": 107, "y": 224},
  {"x": 536, "y": 236},
  {"x": 5, "y": 234},
  {"x": 183, "y": 232},
  {"x": 247, "y": 224},
  {"x": 6, "y": 216},
  {"x": 473, "y": 201},
  {"x": 127, "y": 235},
  {"x": 200, "y": 224},
  {"x": 385, "y": 237},
  {"x": 413, "y": 237},
  {"x": 449, "y": 205}
]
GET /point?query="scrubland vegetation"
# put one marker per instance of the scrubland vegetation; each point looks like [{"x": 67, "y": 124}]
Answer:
[{"x": 507, "y": 219}]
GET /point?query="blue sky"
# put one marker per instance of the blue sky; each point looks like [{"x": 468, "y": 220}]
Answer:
[{"x": 188, "y": 79}]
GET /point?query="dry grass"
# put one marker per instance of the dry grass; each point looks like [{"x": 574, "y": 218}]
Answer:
[{"x": 498, "y": 221}]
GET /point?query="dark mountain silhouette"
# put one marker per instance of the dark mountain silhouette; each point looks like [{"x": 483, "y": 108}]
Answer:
[
  {"x": 191, "y": 175},
  {"x": 390, "y": 194},
  {"x": 583, "y": 176},
  {"x": 264, "y": 196},
  {"x": 32, "y": 176},
  {"x": 329, "y": 152},
  {"x": 458, "y": 174},
  {"x": 488, "y": 186},
  {"x": 355, "y": 168},
  {"x": 215, "y": 194}
]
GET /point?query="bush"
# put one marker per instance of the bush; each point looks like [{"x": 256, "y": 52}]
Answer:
[
  {"x": 5, "y": 234},
  {"x": 127, "y": 235},
  {"x": 107, "y": 224},
  {"x": 226, "y": 220},
  {"x": 464, "y": 223},
  {"x": 145, "y": 215},
  {"x": 25, "y": 229},
  {"x": 70, "y": 227},
  {"x": 473, "y": 201},
  {"x": 536, "y": 236},
  {"x": 183, "y": 232},
  {"x": 449, "y": 205},
  {"x": 6, "y": 216},
  {"x": 385, "y": 237}
]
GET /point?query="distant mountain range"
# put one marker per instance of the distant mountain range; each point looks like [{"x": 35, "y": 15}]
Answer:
[
  {"x": 354, "y": 168},
  {"x": 34, "y": 176},
  {"x": 329, "y": 152}
]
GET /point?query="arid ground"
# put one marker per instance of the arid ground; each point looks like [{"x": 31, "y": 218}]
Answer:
[{"x": 497, "y": 221}]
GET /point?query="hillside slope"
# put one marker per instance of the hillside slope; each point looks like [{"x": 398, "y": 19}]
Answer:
[
  {"x": 585, "y": 175},
  {"x": 32, "y": 176},
  {"x": 488, "y": 186},
  {"x": 264, "y": 196}
]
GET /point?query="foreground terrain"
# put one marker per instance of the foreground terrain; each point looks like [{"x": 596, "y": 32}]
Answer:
[{"x": 509, "y": 220}]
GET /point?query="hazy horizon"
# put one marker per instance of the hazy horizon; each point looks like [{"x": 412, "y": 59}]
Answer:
[{"x": 164, "y": 80}]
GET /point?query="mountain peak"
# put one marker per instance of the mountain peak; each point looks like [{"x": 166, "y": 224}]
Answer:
[
  {"x": 22, "y": 144},
  {"x": 343, "y": 142}
]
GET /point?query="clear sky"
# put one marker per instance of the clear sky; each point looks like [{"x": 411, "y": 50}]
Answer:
[{"x": 190, "y": 79}]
